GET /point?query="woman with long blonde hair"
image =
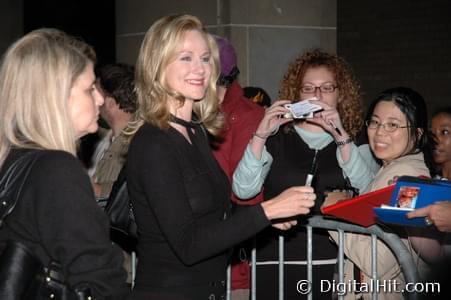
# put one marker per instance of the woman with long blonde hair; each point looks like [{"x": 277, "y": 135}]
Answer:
[
  {"x": 48, "y": 100},
  {"x": 180, "y": 195}
]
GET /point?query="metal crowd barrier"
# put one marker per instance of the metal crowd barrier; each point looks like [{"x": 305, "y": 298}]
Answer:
[{"x": 392, "y": 240}]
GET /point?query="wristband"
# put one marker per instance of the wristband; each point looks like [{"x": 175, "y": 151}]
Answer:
[
  {"x": 260, "y": 136},
  {"x": 344, "y": 142}
]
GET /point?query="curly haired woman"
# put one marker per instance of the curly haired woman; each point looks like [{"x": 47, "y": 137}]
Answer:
[{"x": 322, "y": 146}]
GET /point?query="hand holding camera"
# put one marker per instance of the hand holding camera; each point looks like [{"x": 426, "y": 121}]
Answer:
[
  {"x": 272, "y": 120},
  {"x": 329, "y": 119}
]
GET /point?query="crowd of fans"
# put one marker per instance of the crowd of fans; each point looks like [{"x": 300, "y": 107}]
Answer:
[{"x": 199, "y": 165}]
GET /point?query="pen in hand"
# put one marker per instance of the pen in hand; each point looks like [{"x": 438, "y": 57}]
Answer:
[
  {"x": 309, "y": 179},
  {"x": 335, "y": 127}
]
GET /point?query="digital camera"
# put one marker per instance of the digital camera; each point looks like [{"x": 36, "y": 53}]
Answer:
[{"x": 302, "y": 109}]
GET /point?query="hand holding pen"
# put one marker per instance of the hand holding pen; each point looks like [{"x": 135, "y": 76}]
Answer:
[
  {"x": 329, "y": 120},
  {"x": 335, "y": 128},
  {"x": 312, "y": 171}
]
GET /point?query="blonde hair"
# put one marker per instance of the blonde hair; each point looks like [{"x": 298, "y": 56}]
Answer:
[
  {"x": 350, "y": 97},
  {"x": 36, "y": 76},
  {"x": 157, "y": 51}
]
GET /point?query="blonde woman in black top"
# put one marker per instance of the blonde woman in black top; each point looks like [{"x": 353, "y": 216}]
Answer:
[
  {"x": 47, "y": 101},
  {"x": 179, "y": 192}
]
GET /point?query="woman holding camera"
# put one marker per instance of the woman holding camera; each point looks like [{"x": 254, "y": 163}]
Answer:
[{"x": 318, "y": 147}]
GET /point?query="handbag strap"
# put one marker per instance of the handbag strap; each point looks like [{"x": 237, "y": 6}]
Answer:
[
  {"x": 13, "y": 180},
  {"x": 11, "y": 185}
]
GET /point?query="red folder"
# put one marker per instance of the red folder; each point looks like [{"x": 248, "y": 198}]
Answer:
[{"x": 359, "y": 210}]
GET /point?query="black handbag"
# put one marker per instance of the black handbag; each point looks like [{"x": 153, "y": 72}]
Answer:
[
  {"x": 22, "y": 275},
  {"x": 18, "y": 266},
  {"x": 123, "y": 228}
]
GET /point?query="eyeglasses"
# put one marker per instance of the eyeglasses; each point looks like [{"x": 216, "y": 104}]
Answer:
[
  {"x": 324, "y": 88},
  {"x": 388, "y": 127}
]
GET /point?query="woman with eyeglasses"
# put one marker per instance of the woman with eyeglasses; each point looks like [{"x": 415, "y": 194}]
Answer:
[
  {"x": 280, "y": 158},
  {"x": 397, "y": 127}
]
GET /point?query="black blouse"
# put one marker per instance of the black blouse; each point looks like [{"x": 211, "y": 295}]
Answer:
[
  {"x": 182, "y": 206},
  {"x": 58, "y": 218}
]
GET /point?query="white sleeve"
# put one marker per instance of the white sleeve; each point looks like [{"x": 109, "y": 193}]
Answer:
[{"x": 250, "y": 174}]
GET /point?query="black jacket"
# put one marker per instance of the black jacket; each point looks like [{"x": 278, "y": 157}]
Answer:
[
  {"x": 58, "y": 218},
  {"x": 181, "y": 199}
]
